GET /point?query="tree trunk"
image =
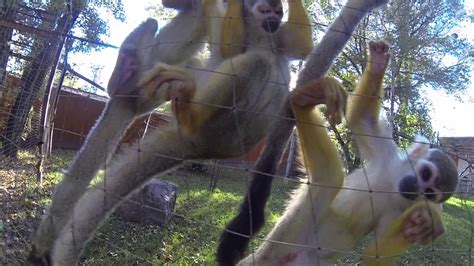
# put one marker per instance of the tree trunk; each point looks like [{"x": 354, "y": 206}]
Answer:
[
  {"x": 6, "y": 12},
  {"x": 34, "y": 76}
]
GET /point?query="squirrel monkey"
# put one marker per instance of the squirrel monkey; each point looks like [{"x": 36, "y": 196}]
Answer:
[
  {"x": 222, "y": 110},
  {"x": 232, "y": 35},
  {"x": 397, "y": 197}
]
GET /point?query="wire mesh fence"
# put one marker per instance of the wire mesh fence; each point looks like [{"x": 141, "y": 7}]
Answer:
[{"x": 210, "y": 191}]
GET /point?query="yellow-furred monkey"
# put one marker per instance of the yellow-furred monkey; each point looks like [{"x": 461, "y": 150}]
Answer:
[
  {"x": 222, "y": 108},
  {"x": 395, "y": 195}
]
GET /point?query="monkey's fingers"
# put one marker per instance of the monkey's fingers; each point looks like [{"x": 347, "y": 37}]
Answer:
[
  {"x": 181, "y": 94},
  {"x": 310, "y": 94},
  {"x": 379, "y": 56},
  {"x": 152, "y": 80},
  {"x": 326, "y": 91},
  {"x": 419, "y": 227},
  {"x": 124, "y": 76},
  {"x": 336, "y": 100},
  {"x": 438, "y": 230},
  {"x": 162, "y": 72},
  {"x": 125, "y": 69}
]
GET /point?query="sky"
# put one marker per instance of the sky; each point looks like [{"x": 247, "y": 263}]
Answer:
[{"x": 450, "y": 117}]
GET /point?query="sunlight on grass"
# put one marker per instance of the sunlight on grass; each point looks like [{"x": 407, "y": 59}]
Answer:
[
  {"x": 192, "y": 235},
  {"x": 461, "y": 202}
]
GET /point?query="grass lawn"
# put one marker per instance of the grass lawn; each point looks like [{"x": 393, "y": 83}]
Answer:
[{"x": 191, "y": 237}]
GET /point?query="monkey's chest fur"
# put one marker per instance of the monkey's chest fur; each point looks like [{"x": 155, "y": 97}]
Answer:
[{"x": 244, "y": 118}]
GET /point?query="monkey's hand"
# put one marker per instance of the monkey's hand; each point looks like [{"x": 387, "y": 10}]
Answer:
[
  {"x": 419, "y": 227},
  {"x": 421, "y": 222},
  {"x": 326, "y": 91},
  {"x": 170, "y": 83},
  {"x": 378, "y": 57}
]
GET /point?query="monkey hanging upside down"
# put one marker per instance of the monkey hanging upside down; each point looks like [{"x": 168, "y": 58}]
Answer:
[{"x": 397, "y": 195}]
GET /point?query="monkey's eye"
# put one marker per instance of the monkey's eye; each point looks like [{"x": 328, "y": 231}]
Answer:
[
  {"x": 426, "y": 174},
  {"x": 429, "y": 194},
  {"x": 264, "y": 10},
  {"x": 279, "y": 12}
]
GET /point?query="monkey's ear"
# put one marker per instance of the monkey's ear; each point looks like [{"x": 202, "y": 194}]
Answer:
[
  {"x": 418, "y": 148},
  {"x": 232, "y": 35},
  {"x": 131, "y": 58}
]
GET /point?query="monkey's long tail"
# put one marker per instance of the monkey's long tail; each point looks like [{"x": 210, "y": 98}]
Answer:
[{"x": 251, "y": 216}]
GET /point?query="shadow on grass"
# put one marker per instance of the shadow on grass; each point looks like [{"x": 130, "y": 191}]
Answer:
[{"x": 192, "y": 236}]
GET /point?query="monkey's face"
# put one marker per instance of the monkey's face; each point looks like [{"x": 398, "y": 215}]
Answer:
[
  {"x": 267, "y": 14},
  {"x": 434, "y": 177}
]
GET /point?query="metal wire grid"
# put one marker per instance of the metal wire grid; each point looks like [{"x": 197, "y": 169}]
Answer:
[{"x": 245, "y": 167}]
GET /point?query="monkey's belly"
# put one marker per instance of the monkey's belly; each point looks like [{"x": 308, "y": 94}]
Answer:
[{"x": 235, "y": 132}]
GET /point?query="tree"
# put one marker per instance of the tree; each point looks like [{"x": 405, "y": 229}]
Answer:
[
  {"x": 77, "y": 15},
  {"x": 6, "y": 12}
]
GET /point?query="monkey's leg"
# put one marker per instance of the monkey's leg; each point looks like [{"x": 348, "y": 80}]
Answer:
[
  {"x": 156, "y": 154},
  {"x": 183, "y": 36},
  {"x": 334, "y": 40},
  {"x": 93, "y": 153},
  {"x": 100, "y": 144},
  {"x": 246, "y": 75},
  {"x": 133, "y": 93},
  {"x": 232, "y": 246},
  {"x": 325, "y": 170}
]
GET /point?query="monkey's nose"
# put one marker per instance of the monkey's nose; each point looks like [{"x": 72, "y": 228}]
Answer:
[
  {"x": 271, "y": 24},
  {"x": 408, "y": 187}
]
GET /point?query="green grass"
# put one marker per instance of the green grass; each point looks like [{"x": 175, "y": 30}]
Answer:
[{"x": 191, "y": 237}]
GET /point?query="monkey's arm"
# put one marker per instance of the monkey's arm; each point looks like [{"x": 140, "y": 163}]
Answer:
[
  {"x": 393, "y": 242},
  {"x": 371, "y": 134},
  {"x": 326, "y": 176},
  {"x": 232, "y": 36},
  {"x": 320, "y": 155},
  {"x": 364, "y": 106},
  {"x": 295, "y": 38}
]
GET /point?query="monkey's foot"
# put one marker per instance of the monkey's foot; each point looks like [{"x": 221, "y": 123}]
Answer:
[
  {"x": 379, "y": 57},
  {"x": 419, "y": 227},
  {"x": 326, "y": 91},
  {"x": 131, "y": 54},
  {"x": 36, "y": 259},
  {"x": 165, "y": 83}
]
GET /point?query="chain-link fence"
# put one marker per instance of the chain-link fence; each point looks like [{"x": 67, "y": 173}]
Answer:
[{"x": 43, "y": 123}]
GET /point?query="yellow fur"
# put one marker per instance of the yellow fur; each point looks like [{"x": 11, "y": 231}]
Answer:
[
  {"x": 233, "y": 35},
  {"x": 298, "y": 42},
  {"x": 317, "y": 147},
  {"x": 366, "y": 99},
  {"x": 393, "y": 243},
  {"x": 232, "y": 40}
]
